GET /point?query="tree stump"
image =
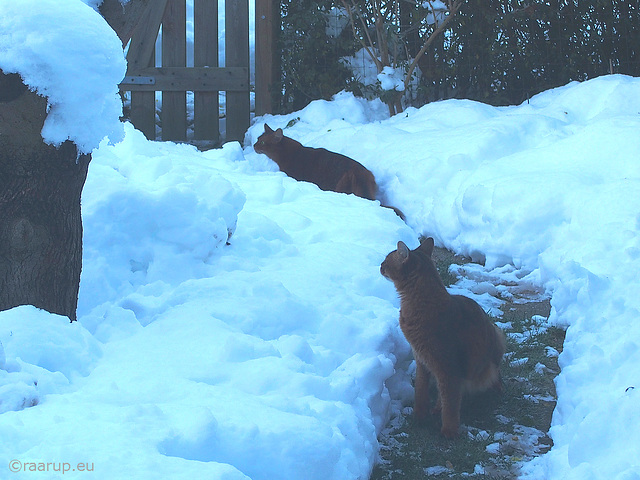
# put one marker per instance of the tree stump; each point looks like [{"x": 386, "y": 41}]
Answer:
[{"x": 40, "y": 219}]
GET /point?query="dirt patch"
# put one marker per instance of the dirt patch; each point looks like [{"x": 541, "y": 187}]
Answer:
[{"x": 499, "y": 431}]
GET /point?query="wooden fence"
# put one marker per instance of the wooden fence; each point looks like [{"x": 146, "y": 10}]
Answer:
[{"x": 206, "y": 78}]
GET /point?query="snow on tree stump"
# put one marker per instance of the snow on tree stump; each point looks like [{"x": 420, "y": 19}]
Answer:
[{"x": 40, "y": 220}]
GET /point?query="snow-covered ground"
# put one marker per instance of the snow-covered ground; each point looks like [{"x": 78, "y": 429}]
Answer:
[
  {"x": 551, "y": 187},
  {"x": 278, "y": 355}
]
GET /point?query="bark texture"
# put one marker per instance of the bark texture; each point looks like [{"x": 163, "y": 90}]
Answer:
[{"x": 40, "y": 219}]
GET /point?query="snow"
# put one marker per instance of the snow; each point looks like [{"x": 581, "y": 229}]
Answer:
[
  {"x": 363, "y": 67},
  {"x": 437, "y": 11},
  {"x": 76, "y": 66},
  {"x": 209, "y": 359},
  {"x": 233, "y": 323},
  {"x": 391, "y": 79}
]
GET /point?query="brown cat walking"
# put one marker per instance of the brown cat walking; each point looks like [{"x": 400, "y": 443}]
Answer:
[
  {"x": 329, "y": 170},
  {"x": 451, "y": 336}
]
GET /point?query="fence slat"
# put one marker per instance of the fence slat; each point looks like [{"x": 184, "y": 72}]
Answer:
[
  {"x": 143, "y": 113},
  {"x": 142, "y": 54},
  {"x": 206, "y": 119},
  {"x": 123, "y": 18},
  {"x": 237, "y": 55},
  {"x": 143, "y": 108},
  {"x": 174, "y": 54},
  {"x": 143, "y": 41},
  {"x": 266, "y": 11}
]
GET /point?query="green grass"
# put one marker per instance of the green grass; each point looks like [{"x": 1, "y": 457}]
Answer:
[{"x": 513, "y": 424}]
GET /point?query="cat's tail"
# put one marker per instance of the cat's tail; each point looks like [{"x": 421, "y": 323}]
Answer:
[
  {"x": 397, "y": 210},
  {"x": 363, "y": 184},
  {"x": 360, "y": 182}
]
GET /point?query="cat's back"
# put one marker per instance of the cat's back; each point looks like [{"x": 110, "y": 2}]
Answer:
[
  {"x": 476, "y": 335},
  {"x": 329, "y": 170},
  {"x": 334, "y": 171},
  {"x": 332, "y": 159},
  {"x": 466, "y": 317}
]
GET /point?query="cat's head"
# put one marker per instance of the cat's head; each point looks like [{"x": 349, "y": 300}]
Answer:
[
  {"x": 269, "y": 140},
  {"x": 401, "y": 262}
]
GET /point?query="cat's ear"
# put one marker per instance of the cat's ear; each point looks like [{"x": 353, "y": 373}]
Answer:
[
  {"x": 403, "y": 251},
  {"x": 267, "y": 129},
  {"x": 278, "y": 134},
  {"x": 426, "y": 246}
]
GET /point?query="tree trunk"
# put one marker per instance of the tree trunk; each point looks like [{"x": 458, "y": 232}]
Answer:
[{"x": 40, "y": 220}]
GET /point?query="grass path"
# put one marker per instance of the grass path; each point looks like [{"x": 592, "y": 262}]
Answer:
[{"x": 499, "y": 431}]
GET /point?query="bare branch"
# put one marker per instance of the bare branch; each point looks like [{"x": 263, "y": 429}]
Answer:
[
  {"x": 383, "y": 46},
  {"x": 384, "y": 17},
  {"x": 370, "y": 49},
  {"x": 454, "y": 6}
]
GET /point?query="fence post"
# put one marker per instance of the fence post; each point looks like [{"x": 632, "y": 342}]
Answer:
[
  {"x": 141, "y": 55},
  {"x": 143, "y": 113},
  {"x": 174, "y": 54},
  {"x": 237, "y": 55},
  {"x": 205, "y": 104},
  {"x": 266, "y": 68}
]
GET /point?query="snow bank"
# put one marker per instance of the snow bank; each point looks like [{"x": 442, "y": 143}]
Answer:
[
  {"x": 168, "y": 219},
  {"x": 65, "y": 51},
  {"x": 43, "y": 353},
  {"x": 270, "y": 357},
  {"x": 552, "y": 187}
]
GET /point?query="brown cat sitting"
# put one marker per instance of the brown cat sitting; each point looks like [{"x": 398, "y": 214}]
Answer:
[
  {"x": 328, "y": 170},
  {"x": 451, "y": 336}
]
